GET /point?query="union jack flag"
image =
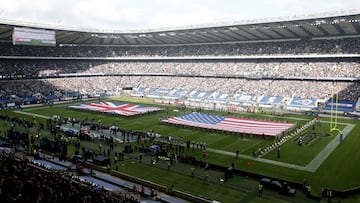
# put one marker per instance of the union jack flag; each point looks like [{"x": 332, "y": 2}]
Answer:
[
  {"x": 116, "y": 108},
  {"x": 230, "y": 124}
]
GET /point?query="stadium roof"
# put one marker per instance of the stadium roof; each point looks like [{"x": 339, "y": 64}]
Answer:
[{"x": 326, "y": 25}]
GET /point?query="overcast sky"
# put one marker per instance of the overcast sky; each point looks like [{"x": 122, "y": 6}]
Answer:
[{"x": 145, "y": 14}]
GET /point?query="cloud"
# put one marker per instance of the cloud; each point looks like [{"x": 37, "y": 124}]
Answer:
[
  {"x": 190, "y": 18},
  {"x": 105, "y": 14}
]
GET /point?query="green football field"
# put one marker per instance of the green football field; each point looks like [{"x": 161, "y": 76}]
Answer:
[{"x": 323, "y": 161}]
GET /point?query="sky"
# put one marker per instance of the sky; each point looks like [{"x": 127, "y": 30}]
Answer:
[{"x": 153, "y": 14}]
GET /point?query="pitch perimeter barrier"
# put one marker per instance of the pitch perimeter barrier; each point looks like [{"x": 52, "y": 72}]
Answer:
[
  {"x": 161, "y": 188},
  {"x": 133, "y": 179},
  {"x": 190, "y": 197},
  {"x": 341, "y": 193}
]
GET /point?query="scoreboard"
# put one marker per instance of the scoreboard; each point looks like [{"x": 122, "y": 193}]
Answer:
[{"x": 35, "y": 37}]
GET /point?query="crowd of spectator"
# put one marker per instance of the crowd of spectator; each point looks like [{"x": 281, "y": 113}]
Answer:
[
  {"x": 94, "y": 85},
  {"x": 22, "y": 181},
  {"x": 250, "y": 77},
  {"x": 320, "y": 46},
  {"x": 41, "y": 68},
  {"x": 24, "y": 88}
]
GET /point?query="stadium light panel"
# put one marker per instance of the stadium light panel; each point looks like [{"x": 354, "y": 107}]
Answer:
[
  {"x": 146, "y": 35},
  {"x": 103, "y": 36},
  {"x": 128, "y": 36}
]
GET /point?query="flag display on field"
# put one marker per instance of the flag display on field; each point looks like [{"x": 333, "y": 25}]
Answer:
[
  {"x": 230, "y": 124},
  {"x": 116, "y": 108}
]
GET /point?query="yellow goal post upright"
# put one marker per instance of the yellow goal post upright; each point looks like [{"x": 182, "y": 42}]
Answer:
[{"x": 334, "y": 109}]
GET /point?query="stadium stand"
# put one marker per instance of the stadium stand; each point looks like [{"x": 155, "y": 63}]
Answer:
[
  {"x": 24, "y": 181},
  {"x": 293, "y": 47},
  {"x": 294, "y": 68}
]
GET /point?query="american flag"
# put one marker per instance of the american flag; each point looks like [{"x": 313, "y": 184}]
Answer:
[
  {"x": 116, "y": 108},
  {"x": 230, "y": 124}
]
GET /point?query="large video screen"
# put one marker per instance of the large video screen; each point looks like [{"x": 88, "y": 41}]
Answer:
[{"x": 35, "y": 37}]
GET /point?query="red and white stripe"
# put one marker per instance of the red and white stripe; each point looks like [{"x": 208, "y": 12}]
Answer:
[
  {"x": 238, "y": 125},
  {"x": 121, "y": 109}
]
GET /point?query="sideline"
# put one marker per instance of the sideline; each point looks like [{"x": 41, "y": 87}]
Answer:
[
  {"x": 32, "y": 114},
  {"x": 58, "y": 103},
  {"x": 268, "y": 161}
]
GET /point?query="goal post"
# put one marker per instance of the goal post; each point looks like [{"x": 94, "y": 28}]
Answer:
[{"x": 334, "y": 110}]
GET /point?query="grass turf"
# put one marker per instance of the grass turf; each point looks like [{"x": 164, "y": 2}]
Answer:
[{"x": 339, "y": 171}]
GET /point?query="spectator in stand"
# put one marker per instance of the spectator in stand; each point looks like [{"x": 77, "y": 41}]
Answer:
[
  {"x": 113, "y": 79},
  {"x": 294, "y": 47},
  {"x": 21, "y": 181}
]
